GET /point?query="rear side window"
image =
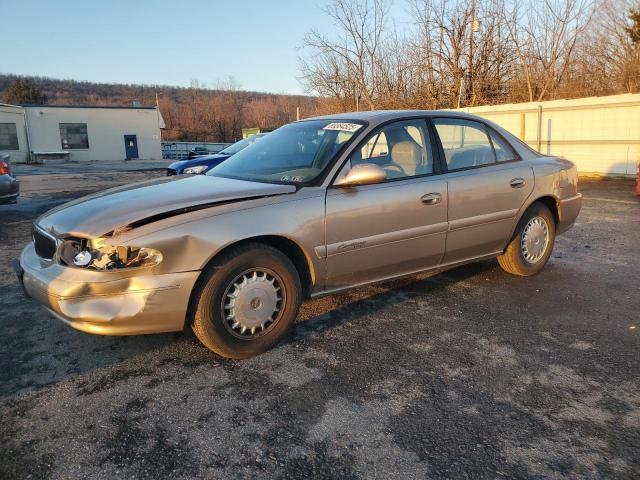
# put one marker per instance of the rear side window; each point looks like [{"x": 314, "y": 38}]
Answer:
[
  {"x": 465, "y": 143},
  {"x": 504, "y": 152}
]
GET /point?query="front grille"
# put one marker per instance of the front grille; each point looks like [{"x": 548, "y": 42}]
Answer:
[
  {"x": 170, "y": 172},
  {"x": 44, "y": 244}
]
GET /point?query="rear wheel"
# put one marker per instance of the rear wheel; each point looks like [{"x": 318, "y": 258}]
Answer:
[
  {"x": 246, "y": 301},
  {"x": 532, "y": 245}
]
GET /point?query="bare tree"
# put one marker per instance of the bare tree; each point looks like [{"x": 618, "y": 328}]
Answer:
[
  {"x": 614, "y": 45},
  {"x": 348, "y": 66},
  {"x": 465, "y": 54},
  {"x": 470, "y": 52},
  {"x": 544, "y": 38}
]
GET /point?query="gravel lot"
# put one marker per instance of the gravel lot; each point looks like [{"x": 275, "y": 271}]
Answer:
[{"x": 468, "y": 374}]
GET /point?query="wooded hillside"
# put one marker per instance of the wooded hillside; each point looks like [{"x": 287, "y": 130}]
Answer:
[{"x": 196, "y": 113}]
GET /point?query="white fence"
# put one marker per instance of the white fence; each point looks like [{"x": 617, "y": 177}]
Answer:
[{"x": 599, "y": 134}]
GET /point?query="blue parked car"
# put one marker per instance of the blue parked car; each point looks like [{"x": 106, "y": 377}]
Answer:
[{"x": 202, "y": 164}]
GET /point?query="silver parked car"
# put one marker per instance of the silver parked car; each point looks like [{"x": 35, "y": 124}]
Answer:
[
  {"x": 9, "y": 185},
  {"x": 316, "y": 207}
]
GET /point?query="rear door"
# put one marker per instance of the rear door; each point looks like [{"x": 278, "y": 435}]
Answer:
[
  {"x": 399, "y": 226},
  {"x": 487, "y": 185}
]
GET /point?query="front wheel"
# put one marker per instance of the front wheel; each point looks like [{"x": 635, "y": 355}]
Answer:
[
  {"x": 246, "y": 301},
  {"x": 532, "y": 245}
]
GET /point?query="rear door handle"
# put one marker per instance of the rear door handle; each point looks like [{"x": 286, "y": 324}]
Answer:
[
  {"x": 517, "y": 183},
  {"x": 431, "y": 198}
]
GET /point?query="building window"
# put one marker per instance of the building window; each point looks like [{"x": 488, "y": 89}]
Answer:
[
  {"x": 74, "y": 136},
  {"x": 8, "y": 136}
]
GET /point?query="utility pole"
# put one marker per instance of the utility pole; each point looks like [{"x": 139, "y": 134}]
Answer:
[
  {"x": 460, "y": 90},
  {"x": 472, "y": 31},
  {"x": 158, "y": 112},
  {"x": 357, "y": 92}
]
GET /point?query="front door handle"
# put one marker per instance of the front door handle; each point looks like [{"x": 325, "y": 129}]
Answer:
[
  {"x": 517, "y": 183},
  {"x": 431, "y": 198}
]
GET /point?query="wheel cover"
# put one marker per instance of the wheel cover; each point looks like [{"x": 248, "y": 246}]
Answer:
[
  {"x": 253, "y": 303},
  {"x": 534, "y": 240}
]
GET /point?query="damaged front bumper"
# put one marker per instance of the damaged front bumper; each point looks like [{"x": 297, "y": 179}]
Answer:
[{"x": 105, "y": 303}]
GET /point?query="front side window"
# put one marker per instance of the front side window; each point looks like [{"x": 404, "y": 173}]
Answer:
[
  {"x": 402, "y": 149},
  {"x": 465, "y": 143},
  {"x": 294, "y": 154},
  {"x": 8, "y": 136},
  {"x": 73, "y": 136},
  {"x": 375, "y": 146}
]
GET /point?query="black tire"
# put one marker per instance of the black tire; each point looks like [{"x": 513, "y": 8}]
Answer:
[
  {"x": 209, "y": 320},
  {"x": 513, "y": 259}
]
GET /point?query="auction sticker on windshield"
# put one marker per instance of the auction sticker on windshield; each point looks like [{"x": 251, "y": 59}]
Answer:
[{"x": 343, "y": 127}]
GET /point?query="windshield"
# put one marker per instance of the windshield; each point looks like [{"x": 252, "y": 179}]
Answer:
[
  {"x": 236, "y": 147},
  {"x": 295, "y": 153}
]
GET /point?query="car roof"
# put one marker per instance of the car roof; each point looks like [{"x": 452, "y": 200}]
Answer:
[{"x": 375, "y": 117}]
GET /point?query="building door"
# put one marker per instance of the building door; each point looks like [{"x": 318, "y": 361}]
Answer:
[{"x": 131, "y": 146}]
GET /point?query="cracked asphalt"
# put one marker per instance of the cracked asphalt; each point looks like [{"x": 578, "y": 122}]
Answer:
[{"x": 471, "y": 373}]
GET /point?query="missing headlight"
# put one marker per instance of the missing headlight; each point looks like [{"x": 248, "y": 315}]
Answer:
[{"x": 93, "y": 254}]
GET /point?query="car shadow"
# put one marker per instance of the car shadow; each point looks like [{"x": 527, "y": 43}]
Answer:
[
  {"x": 324, "y": 314},
  {"x": 38, "y": 350}
]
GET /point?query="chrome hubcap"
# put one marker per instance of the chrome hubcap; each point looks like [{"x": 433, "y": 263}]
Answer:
[
  {"x": 535, "y": 239},
  {"x": 253, "y": 303}
]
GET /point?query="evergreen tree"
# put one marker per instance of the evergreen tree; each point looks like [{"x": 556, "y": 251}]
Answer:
[
  {"x": 634, "y": 29},
  {"x": 24, "y": 91}
]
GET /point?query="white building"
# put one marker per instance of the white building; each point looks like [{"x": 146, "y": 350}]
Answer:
[{"x": 79, "y": 133}]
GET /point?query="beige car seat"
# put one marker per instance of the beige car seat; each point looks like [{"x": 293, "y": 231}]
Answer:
[{"x": 408, "y": 155}]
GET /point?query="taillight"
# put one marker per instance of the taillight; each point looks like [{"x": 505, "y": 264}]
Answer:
[{"x": 4, "y": 168}]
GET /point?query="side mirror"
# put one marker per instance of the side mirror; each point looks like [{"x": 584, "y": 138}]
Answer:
[{"x": 362, "y": 174}]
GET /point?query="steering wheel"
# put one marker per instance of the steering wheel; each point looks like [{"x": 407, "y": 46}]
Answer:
[{"x": 395, "y": 166}]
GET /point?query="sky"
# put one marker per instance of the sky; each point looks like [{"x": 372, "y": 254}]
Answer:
[{"x": 160, "y": 42}]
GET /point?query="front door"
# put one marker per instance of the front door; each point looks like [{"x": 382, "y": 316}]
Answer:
[
  {"x": 131, "y": 146},
  {"x": 397, "y": 227}
]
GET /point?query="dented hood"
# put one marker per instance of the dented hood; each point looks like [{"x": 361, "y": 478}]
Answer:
[{"x": 98, "y": 214}]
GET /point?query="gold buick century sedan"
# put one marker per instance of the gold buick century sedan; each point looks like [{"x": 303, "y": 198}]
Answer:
[{"x": 317, "y": 206}]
